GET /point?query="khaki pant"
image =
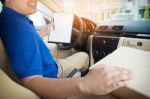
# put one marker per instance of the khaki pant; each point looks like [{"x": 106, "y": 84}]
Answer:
[{"x": 77, "y": 60}]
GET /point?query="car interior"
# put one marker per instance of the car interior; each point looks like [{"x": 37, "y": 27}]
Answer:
[{"x": 97, "y": 39}]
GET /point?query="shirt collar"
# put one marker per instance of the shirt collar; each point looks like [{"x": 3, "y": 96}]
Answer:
[{"x": 10, "y": 12}]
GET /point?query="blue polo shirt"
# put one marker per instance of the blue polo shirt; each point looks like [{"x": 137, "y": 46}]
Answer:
[{"x": 27, "y": 52}]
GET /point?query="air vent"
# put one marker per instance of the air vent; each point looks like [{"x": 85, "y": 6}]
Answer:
[
  {"x": 103, "y": 28},
  {"x": 117, "y": 28}
]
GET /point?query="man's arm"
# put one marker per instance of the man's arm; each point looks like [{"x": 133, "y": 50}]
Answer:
[
  {"x": 54, "y": 88},
  {"x": 99, "y": 81}
]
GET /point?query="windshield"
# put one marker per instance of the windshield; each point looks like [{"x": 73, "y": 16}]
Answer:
[{"x": 107, "y": 10}]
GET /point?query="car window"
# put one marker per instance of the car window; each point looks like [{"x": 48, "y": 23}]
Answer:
[
  {"x": 108, "y": 10},
  {"x": 0, "y": 6}
]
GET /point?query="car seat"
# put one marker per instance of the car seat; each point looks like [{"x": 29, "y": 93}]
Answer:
[{"x": 10, "y": 86}]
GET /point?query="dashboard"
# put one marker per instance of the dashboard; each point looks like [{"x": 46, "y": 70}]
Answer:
[{"x": 108, "y": 37}]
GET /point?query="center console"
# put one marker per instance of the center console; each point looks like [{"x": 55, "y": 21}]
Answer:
[{"x": 103, "y": 45}]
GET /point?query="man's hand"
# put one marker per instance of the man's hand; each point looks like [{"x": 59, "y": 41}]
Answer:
[
  {"x": 45, "y": 31},
  {"x": 103, "y": 80},
  {"x": 99, "y": 81}
]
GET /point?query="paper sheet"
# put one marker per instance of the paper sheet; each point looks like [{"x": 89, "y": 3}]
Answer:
[
  {"x": 62, "y": 29},
  {"x": 138, "y": 61}
]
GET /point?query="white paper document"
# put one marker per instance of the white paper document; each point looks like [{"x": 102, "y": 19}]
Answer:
[
  {"x": 62, "y": 28},
  {"x": 138, "y": 61}
]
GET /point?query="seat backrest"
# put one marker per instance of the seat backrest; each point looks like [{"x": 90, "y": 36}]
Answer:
[
  {"x": 4, "y": 63},
  {"x": 10, "y": 87},
  {"x": 11, "y": 90}
]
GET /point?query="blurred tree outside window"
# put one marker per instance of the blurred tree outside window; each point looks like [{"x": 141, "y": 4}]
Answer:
[{"x": 147, "y": 13}]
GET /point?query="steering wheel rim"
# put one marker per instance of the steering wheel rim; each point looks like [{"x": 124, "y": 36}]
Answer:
[{"x": 66, "y": 46}]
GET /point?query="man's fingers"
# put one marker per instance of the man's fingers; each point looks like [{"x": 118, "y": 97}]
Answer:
[
  {"x": 48, "y": 27},
  {"x": 121, "y": 75},
  {"x": 120, "y": 84},
  {"x": 115, "y": 74},
  {"x": 120, "y": 78}
]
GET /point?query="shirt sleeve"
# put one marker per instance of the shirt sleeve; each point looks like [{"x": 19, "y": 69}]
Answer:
[{"x": 24, "y": 54}]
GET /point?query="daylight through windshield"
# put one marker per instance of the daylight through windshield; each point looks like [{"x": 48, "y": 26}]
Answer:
[{"x": 107, "y": 10}]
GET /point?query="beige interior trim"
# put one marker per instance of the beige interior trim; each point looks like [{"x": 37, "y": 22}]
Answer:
[
  {"x": 11, "y": 90},
  {"x": 89, "y": 46},
  {"x": 2, "y": 49},
  {"x": 133, "y": 43},
  {"x": 52, "y": 5}
]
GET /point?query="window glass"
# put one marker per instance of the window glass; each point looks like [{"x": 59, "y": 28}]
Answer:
[
  {"x": 0, "y": 6},
  {"x": 108, "y": 10}
]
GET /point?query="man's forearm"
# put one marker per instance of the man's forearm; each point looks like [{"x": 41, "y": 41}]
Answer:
[
  {"x": 98, "y": 81},
  {"x": 55, "y": 88}
]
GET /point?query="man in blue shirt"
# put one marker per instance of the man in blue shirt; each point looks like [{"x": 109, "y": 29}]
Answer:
[
  {"x": 31, "y": 62},
  {"x": 35, "y": 66}
]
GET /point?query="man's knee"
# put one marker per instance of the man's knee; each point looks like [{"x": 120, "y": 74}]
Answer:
[
  {"x": 78, "y": 60},
  {"x": 82, "y": 59}
]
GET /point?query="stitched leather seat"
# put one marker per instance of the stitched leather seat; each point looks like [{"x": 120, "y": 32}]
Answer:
[{"x": 10, "y": 87}]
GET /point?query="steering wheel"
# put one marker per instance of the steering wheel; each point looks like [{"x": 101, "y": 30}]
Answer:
[{"x": 77, "y": 31}]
